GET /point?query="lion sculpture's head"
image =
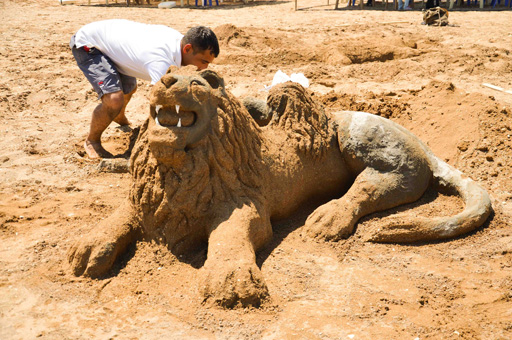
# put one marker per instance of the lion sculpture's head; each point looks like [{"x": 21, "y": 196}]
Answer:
[{"x": 183, "y": 105}]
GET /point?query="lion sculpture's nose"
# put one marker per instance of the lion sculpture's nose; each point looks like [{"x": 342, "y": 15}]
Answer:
[{"x": 169, "y": 80}]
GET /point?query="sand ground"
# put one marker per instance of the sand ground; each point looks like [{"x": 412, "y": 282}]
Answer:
[{"x": 428, "y": 79}]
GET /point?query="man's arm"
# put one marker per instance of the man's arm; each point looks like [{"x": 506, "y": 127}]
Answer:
[{"x": 157, "y": 69}]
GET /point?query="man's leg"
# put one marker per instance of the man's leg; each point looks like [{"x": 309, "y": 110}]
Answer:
[
  {"x": 109, "y": 84},
  {"x": 110, "y": 108},
  {"x": 121, "y": 118}
]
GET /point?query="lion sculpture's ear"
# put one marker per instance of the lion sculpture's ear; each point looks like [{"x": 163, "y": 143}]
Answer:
[
  {"x": 171, "y": 69},
  {"x": 216, "y": 82}
]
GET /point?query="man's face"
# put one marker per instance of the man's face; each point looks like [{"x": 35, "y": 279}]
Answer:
[{"x": 200, "y": 59}]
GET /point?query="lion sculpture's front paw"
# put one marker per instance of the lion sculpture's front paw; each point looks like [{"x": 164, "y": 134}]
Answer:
[
  {"x": 233, "y": 284},
  {"x": 92, "y": 257}
]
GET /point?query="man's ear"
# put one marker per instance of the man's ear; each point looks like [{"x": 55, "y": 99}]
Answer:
[
  {"x": 187, "y": 48},
  {"x": 216, "y": 82}
]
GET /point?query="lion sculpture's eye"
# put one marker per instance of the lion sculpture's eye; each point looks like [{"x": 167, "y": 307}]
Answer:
[{"x": 196, "y": 82}]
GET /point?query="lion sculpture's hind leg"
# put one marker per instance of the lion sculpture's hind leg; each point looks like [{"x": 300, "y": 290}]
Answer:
[
  {"x": 372, "y": 191},
  {"x": 394, "y": 167},
  {"x": 391, "y": 168}
]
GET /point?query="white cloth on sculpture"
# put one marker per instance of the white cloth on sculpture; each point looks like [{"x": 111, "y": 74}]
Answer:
[{"x": 281, "y": 77}]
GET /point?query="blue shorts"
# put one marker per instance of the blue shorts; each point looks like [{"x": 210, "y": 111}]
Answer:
[{"x": 101, "y": 72}]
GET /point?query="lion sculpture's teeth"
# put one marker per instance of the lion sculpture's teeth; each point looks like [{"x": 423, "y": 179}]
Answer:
[
  {"x": 157, "y": 109},
  {"x": 179, "y": 119}
]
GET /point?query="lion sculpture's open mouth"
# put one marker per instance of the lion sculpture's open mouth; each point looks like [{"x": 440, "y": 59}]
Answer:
[{"x": 174, "y": 117}]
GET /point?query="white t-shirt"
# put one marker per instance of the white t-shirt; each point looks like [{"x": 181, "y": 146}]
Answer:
[{"x": 138, "y": 50}]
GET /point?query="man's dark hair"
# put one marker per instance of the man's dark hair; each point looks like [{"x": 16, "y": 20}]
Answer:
[{"x": 202, "y": 38}]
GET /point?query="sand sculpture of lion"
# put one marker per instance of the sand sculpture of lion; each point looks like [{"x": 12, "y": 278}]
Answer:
[{"x": 205, "y": 172}]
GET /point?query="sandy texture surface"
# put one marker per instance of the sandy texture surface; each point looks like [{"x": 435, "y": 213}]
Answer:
[{"x": 428, "y": 79}]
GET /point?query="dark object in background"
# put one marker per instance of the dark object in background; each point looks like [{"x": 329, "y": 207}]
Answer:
[
  {"x": 432, "y": 4},
  {"x": 436, "y": 16}
]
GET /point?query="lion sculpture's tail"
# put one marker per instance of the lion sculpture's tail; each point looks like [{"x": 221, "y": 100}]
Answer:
[{"x": 410, "y": 228}]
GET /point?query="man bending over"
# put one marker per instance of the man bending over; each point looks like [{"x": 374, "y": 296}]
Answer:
[{"x": 113, "y": 53}]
